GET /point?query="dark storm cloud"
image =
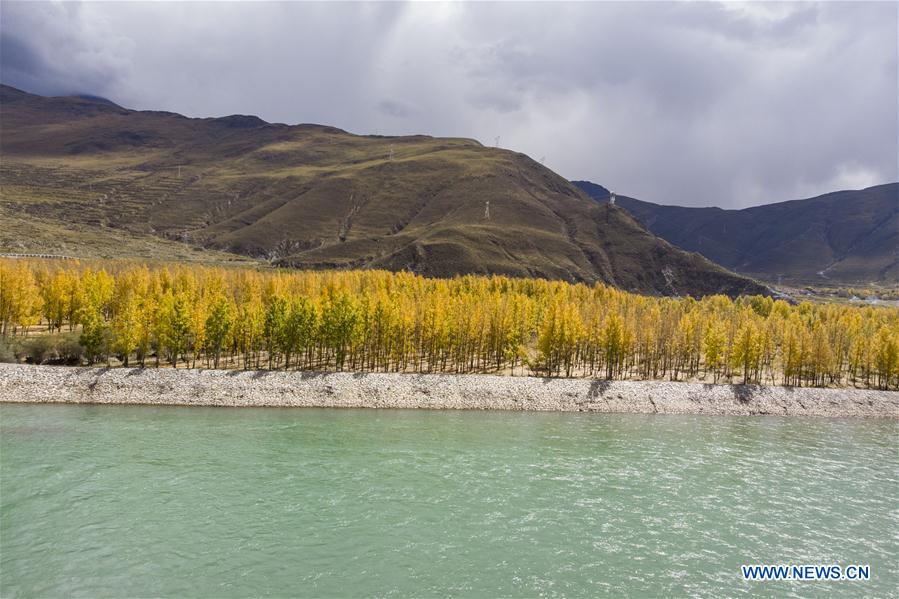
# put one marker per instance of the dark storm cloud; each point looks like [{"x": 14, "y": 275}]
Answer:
[
  {"x": 691, "y": 103},
  {"x": 51, "y": 49}
]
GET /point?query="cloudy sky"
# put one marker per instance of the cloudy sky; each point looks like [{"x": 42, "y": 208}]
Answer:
[{"x": 695, "y": 103}]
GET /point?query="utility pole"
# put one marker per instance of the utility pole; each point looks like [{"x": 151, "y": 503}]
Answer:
[
  {"x": 487, "y": 210},
  {"x": 496, "y": 142}
]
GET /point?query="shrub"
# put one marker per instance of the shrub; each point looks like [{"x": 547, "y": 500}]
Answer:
[
  {"x": 7, "y": 351},
  {"x": 69, "y": 351},
  {"x": 53, "y": 349},
  {"x": 37, "y": 349}
]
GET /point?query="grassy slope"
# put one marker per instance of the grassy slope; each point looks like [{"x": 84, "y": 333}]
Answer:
[
  {"x": 22, "y": 234},
  {"x": 312, "y": 196},
  {"x": 850, "y": 236}
]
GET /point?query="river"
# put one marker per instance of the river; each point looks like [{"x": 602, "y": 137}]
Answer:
[{"x": 100, "y": 501}]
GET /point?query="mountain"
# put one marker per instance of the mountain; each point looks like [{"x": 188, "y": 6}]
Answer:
[
  {"x": 313, "y": 196},
  {"x": 845, "y": 237},
  {"x": 594, "y": 190}
]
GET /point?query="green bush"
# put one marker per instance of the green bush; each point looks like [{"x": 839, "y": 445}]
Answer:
[
  {"x": 7, "y": 350},
  {"x": 69, "y": 350},
  {"x": 37, "y": 349},
  {"x": 53, "y": 349}
]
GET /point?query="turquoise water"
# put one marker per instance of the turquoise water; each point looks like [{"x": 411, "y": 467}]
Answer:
[{"x": 171, "y": 501}]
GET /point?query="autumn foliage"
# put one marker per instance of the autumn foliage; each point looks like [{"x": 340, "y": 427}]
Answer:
[{"x": 380, "y": 321}]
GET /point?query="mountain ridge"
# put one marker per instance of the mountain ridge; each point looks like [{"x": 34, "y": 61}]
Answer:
[
  {"x": 844, "y": 237},
  {"x": 314, "y": 196}
]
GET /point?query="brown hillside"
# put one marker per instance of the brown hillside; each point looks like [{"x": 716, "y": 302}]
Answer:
[{"x": 310, "y": 196}]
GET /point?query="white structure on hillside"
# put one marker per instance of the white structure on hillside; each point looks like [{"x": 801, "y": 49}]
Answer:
[{"x": 612, "y": 198}]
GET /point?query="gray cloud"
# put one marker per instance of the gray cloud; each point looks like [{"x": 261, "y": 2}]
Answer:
[
  {"x": 686, "y": 103},
  {"x": 395, "y": 109}
]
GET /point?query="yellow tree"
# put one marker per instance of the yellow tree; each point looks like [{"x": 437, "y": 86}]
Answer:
[
  {"x": 300, "y": 329},
  {"x": 746, "y": 349},
  {"x": 886, "y": 357},
  {"x": 714, "y": 346},
  {"x": 613, "y": 345},
  {"x": 54, "y": 291},
  {"x": 126, "y": 320},
  {"x": 94, "y": 331},
  {"x": 20, "y": 298},
  {"x": 218, "y": 326}
]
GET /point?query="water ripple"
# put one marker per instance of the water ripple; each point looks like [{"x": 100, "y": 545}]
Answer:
[{"x": 142, "y": 501}]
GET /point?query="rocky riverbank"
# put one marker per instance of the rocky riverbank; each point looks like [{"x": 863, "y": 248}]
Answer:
[{"x": 59, "y": 384}]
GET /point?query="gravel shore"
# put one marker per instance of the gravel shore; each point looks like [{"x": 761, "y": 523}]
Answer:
[{"x": 59, "y": 384}]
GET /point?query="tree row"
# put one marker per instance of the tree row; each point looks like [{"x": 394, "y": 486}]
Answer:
[{"x": 400, "y": 322}]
